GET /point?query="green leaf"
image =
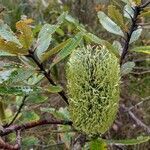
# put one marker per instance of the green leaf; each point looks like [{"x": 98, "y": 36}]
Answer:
[
  {"x": 19, "y": 75},
  {"x": 3, "y": 53},
  {"x": 109, "y": 25},
  {"x": 127, "y": 67},
  {"x": 115, "y": 14},
  {"x": 62, "y": 113},
  {"x": 44, "y": 38},
  {"x": 138, "y": 140},
  {"x": 61, "y": 18},
  {"x": 118, "y": 46},
  {"x": 26, "y": 35},
  {"x": 70, "y": 46},
  {"x": 5, "y": 75},
  {"x": 128, "y": 12},
  {"x": 145, "y": 14},
  {"x": 53, "y": 89},
  {"x": 54, "y": 50},
  {"x": 12, "y": 48},
  {"x": 18, "y": 90},
  {"x": 137, "y": 2},
  {"x": 36, "y": 99},
  {"x": 29, "y": 116},
  {"x": 127, "y": 1},
  {"x": 98, "y": 145},
  {"x": 135, "y": 35},
  {"x": 72, "y": 20},
  {"x": 29, "y": 141},
  {"x": 7, "y": 34},
  {"x": 142, "y": 49}
]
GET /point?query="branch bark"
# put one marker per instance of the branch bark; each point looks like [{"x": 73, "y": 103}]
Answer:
[
  {"x": 47, "y": 75},
  {"x": 33, "y": 124},
  {"x": 7, "y": 146},
  {"x": 133, "y": 27}
]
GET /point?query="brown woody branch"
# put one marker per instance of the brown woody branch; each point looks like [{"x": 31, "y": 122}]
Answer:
[
  {"x": 7, "y": 146},
  {"x": 145, "y": 5},
  {"x": 46, "y": 74},
  {"x": 136, "y": 119},
  {"x": 132, "y": 28},
  {"x": 29, "y": 125}
]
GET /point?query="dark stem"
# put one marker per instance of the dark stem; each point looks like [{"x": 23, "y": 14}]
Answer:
[
  {"x": 7, "y": 146},
  {"x": 18, "y": 112},
  {"x": 33, "y": 124},
  {"x": 133, "y": 27},
  {"x": 47, "y": 75},
  {"x": 145, "y": 5}
]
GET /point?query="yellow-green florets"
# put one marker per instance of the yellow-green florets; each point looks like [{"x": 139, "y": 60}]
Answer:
[{"x": 93, "y": 87}]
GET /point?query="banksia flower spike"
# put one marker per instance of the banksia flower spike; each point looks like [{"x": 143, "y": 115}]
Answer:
[{"x": 93, "y": 88}]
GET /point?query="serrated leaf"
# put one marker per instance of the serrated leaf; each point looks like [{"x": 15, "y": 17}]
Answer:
[
  {"x": 26, "y": 35},
  {"x": 142, "y": 49},
  {"x": 138, "y": 140},
  {"x": 128, "y": 11},
  {"x": 7, "y": 34},
  {"x": 115, "y": 14},
  {"x": 44, "y": 38},
  {"x": 12, "y": 48},
  {"x": 53, "y": 89},
  {"x": 127, "y": 68},
  {"x": 98, "y": 145},
  {"x": 135, "y": 35},
  {"x": 70, "y": 46},
  {"x": 109, "y": 25},
  {"x": 18, "y": 90},
  {"x": 54, "y": 50}
]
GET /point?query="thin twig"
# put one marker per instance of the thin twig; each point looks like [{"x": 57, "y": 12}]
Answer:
[
  {"x": 145, "y": 5},
  {"x": 18, "y": 112},
  {"x": 46, "y": 74},
  {"x": 18, "y": 139},
  {"x": 140, "y": 73},
  {"x": 142, "y": 101},
  {"x": 33, "y": 124},
  {"x": 137, "y": 120}
]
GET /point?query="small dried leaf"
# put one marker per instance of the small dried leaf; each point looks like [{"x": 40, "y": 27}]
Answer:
[{"x": 26, "y": 35}]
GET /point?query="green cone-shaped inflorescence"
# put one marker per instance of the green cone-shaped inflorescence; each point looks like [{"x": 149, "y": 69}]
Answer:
[{"x": 93, "y": 87}]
